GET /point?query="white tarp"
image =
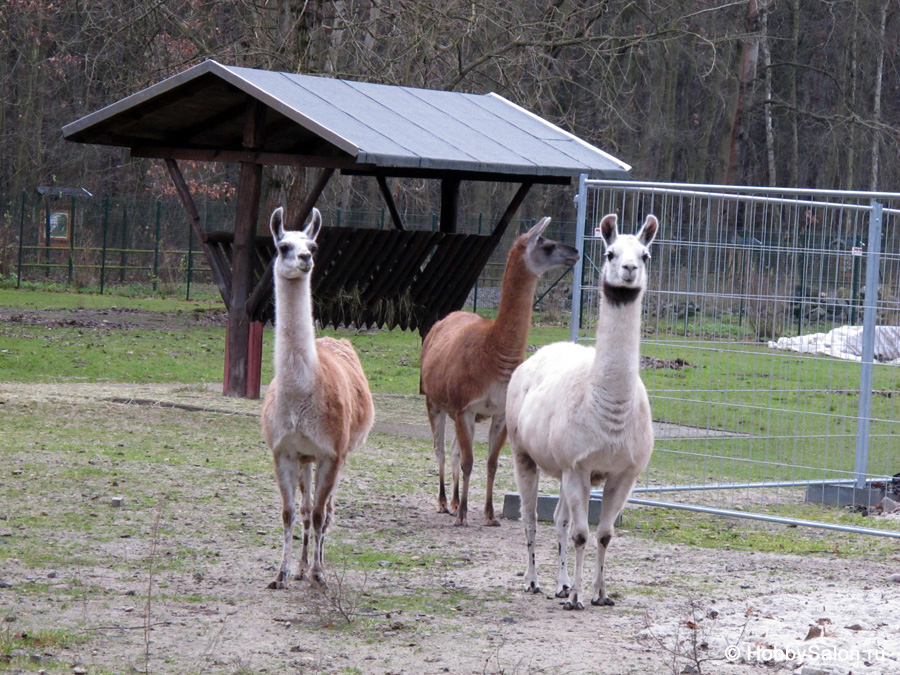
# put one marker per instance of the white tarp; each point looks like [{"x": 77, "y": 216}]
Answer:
[{"x": 845, "y": 343}]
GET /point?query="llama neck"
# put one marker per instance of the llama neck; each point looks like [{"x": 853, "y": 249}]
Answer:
[
  {"x": 509, "y": 332},
  {"x": 296, "y": 359},
  {"x": 617, "y": 360}
]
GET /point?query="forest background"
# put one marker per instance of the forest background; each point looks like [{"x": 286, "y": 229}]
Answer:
[{"x": 799, "y": 93}]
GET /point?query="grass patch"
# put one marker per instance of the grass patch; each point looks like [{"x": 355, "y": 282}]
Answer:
[{"x": 717, "y": 532}]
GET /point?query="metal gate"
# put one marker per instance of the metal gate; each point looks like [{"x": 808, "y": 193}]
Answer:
[{"x": 770, "y": 349}]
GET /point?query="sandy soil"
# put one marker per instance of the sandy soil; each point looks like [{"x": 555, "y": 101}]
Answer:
[{"x": 443, "y": 600}]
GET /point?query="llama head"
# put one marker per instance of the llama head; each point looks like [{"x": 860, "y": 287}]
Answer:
[
  {"x": 295, "y": 249},
  {"x": 627, "y": 255},
  {"x": 543, "y": 255}
]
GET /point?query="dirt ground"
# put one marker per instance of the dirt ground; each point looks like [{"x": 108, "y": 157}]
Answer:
[{"x": 442, "y": 599}]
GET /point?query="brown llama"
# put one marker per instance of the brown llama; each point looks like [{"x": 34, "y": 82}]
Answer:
[{"x": 467, "y": 362}]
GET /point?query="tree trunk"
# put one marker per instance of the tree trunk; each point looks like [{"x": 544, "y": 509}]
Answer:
[
  {"x": 876, "y": 103},
  {"x": 767, "y": 64},
  {"x": 794, "y": 161},
  {"x": 730, "y": 146}
]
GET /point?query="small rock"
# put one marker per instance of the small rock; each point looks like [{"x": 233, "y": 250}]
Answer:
[
  {"x": 117, "y": 502},
  {"x": 5, "y": 584},
  {"x": 79, "y": 670},
  {"x": 894, "y": 577},
  {"x": 51, "y": 575},
  {"x": 888, "y": 505}
]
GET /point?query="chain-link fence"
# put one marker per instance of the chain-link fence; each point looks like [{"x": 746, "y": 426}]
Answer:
[{"x": 771, "y": 345}]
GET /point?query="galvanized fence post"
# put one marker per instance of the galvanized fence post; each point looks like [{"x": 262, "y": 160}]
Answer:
[
  {"x": 581, "y": 201},
  {"x": 867, "y": 364}
]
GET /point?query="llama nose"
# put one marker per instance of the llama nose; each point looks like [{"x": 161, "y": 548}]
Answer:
[
  {"x": 304, "y": 258},
  {"x": 629, "y": 266}
]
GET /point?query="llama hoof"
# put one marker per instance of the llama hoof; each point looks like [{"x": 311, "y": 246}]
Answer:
[
  {"x": 319, "y": 579},
  {"x": 276, "y": 585},
  {"x": 444, "y": 509},
  {"x": 603, "y": 602},
  {"x": 300, "y": 576},
  {"x": 534, "y": 589},
  {"x": 563, "y": 592},
  {"x": 569, "y": 605},
  {"x": 460, "y": 522},
  {"x": 492, "y": 522}
]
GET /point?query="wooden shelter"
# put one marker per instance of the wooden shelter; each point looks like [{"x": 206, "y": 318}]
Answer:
[{"x": 410, "y": 279}]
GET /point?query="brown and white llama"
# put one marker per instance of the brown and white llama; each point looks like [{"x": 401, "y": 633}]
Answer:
[
  {"x": 582, "y": 415},
  {"x": 467, "y": 361},
  {"x": 318, "y": 406}
]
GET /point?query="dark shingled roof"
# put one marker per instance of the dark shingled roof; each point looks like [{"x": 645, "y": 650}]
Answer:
[{"x": 372, "y": 128}]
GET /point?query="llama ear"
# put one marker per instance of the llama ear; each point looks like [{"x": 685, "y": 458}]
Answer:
[
  {"x": 314, "y": 226},
  {"x": 608, "y": 229},
  {"x": 538, "y": 229},
  {"x": 648, "y": 230},
  {"x": 276, "y": 224}
]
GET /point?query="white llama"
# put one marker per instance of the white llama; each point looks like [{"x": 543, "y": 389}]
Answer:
[
  {"x": 317, "y": 408},
  {"x": 467, "y": 361},
  {"x": 581, "y": 414}
]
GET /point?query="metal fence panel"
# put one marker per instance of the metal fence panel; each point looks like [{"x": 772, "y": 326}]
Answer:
[{"x": 744, "y": 427}]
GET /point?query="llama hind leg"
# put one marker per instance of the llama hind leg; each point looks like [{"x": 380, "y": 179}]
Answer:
[
  {"x": 438, "y": 421},
  {"x": 577, "y": 488},
  {"x": 306, "y": 504},
  {"x": 286, "y": 473},
  {"x": 527, "y": 479},
  {"x": 615, "y": 494}
]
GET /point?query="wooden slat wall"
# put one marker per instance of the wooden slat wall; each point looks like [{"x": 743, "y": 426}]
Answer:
[{"x": 383, "y": 278}]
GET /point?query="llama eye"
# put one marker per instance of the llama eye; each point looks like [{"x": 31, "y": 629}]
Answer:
[
  {"x": 549, "y": 248},
  {"x": 284, "y": 249},
  {"x": 610, "y": 255},
  {"x": 313, "y": 248},
  {"x": 645, "y": 257}
]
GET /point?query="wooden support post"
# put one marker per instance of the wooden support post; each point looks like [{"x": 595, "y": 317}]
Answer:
[
  {"x": 242, "y": 253},
  {"x": 449, "y": 204},
  {"x": 389, "y": 200},
  {"x": 297, "y": 219},
  {"x": 214, "y": 256}
]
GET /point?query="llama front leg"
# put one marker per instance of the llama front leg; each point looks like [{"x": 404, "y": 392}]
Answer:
[
  {"x": 615, "y": 494},
  {"x": 328, "y": 474},
  {"x": 577, "y": 488},
  {"x": 496, "y": 439},
  {"x": 465, "y": 432},
  {"x": 527, "y": 479},
  {"x": 306, "y": 505},
  {"x": 561, "y": 520},
  {"x": 286, "y": 473}
]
